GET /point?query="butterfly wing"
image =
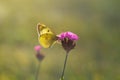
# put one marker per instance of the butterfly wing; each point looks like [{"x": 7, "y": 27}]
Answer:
[
  {"x": 45, "y": 36},
  {"x": 40, "y": 28},
  {"x": 47, "y": 40}
]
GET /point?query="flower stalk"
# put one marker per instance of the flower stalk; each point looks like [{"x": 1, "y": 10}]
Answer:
[
  {"x": 62, "y": 76},
  {"x": 37, "y": 71}
]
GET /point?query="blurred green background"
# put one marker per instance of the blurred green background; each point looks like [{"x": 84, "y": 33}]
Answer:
[{"x": 96, "y": 22}]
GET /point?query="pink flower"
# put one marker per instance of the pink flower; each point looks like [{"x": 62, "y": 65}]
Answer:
[
  {"x": 38, "y": 55},
  {"x": 37, "y": 48},
  {"x": 68, "y": 35},
  {"x": 68, "y": 40}
]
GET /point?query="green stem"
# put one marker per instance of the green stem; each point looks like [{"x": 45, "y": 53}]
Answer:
[
  {"x": 62, "y": 76},
  {"x": 37, "y": 71}
]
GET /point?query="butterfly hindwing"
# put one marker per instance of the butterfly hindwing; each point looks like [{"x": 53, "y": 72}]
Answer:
[{"x": 46, "y": 40}]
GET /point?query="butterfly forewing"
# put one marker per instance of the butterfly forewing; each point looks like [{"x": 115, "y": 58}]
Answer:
[{"x": 40, "y": 27}]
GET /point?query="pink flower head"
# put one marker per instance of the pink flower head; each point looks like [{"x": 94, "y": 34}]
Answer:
[
  {"x": 37, "y": 48},
  {"x": 68, "y": 40},
  {"x": 68, "y": 35},
  {"x": 39, "y": 55}
]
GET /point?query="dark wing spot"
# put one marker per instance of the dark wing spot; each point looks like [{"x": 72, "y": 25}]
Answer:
[
  {"x": 48, "y": 30},
  {"x": 46, "y": 36}
]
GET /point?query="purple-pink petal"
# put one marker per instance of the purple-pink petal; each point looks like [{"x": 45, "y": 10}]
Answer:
[
  {"x": 61, "y": 36},
  {"x": 74, "y": 37},
  {"x": 37, "y": 48},
  {"x": 68, "y": 35}
]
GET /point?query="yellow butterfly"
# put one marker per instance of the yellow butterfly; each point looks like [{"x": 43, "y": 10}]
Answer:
[{"x": 45, "y": 36}]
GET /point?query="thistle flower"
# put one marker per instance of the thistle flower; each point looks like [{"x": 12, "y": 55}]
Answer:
[
  {"x": 39, "y": 55},
  {"x": 68, "y": 40},
  {"x": 37, "y": 48}
]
